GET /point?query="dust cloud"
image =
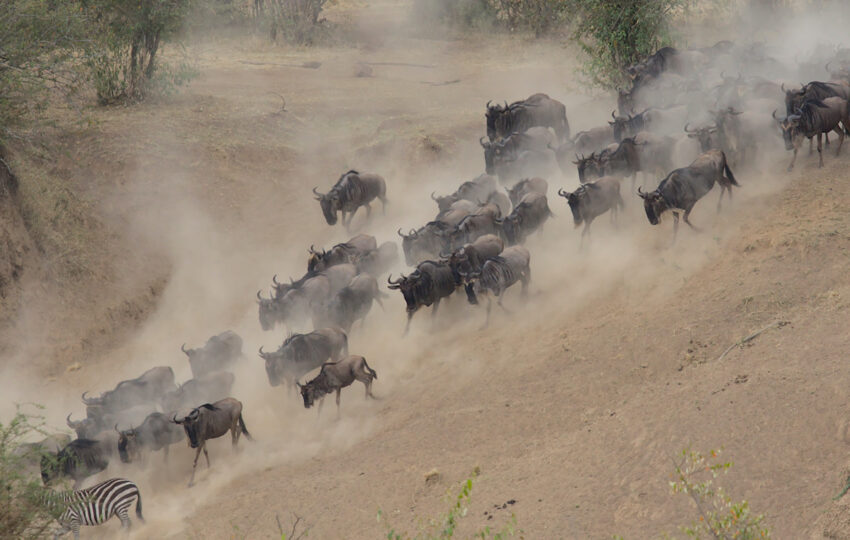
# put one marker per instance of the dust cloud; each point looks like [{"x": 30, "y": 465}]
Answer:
[{"x": 222, "y": 240}]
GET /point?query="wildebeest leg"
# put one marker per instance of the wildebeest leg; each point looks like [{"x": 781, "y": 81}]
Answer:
[
  {"x": 811, "y": 145},
  {"x": 487, "y": 316},
  {"x": 793, "y": 158},
  {"x": 195, "y": 464},
  {"x": 688, "y": 213},
  {"x": 840, "y": 139},
  {"x": 675, "y": 225},
  {"x": 383, "y": 205},
  {"x": 820, "y": 151},
  {"x": 525, "y": 280},
  {"x": 368, "y": 210},
  {"x": 338, "y": 394},
  {"x": 165, "y": 453},
  {"x": 719, "y": 201},
  {"x": 407, "y": 326}
]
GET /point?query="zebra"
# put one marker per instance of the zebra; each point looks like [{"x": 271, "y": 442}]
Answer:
[{"x": 94, "y": 505}]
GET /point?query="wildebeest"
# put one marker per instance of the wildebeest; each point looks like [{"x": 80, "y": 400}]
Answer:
[
  {"x": 157, "y": 432},
  {"x": 652, "y": 66},
  {"x": 706, "y": 135},
  {"x": 589, "y": 167},
  {"x": 741, "y": 134},
  {"x": 593, "y": 199},
  {"x": 204, "y": 389},
  {"x": 661, "y": 121},
  {"x": 815, "y": 90},
  {"x": 147, "y": 388},
  {"x": 301, "y": 353},
  {"x": 645, "y": 152},
  {"x": 210, "y": 421},
  {"x": 482, "y": 221},
  {"x": 350, "y": 192},
  {"x": 78, "y": 460},
  {"x": 429, "y": 283},
  {"x": 528, "y": 216},
  {"x": 456, "y": 212},
  {"x": 536, "y": 138},
  {"x": 346, "y": 252},
  {"x": 497, "y": 275},
  {"x": 28, "y": 455},
  {"x": 476, "y": 190},
  {"x": 471, "y": 257},
  {"x": 90, "y": 428},
  {"x": 335, "y": 376},
  {"x": 682, "y": 188},
  {"x": 526, "y": 186},
  {"x": 423, "y": 243},
  {"x": 536, "y": 110},
  {"x": 293, "y": 301},
  {"x": 378, "y": 261},
  {"x": 815, "y": 118},
  {"x": 217, "y": 354},
  {"x": 352, "y": 303}
]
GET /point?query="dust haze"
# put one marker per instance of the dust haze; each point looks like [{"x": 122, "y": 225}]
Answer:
[{"x": 220, "y": 217}]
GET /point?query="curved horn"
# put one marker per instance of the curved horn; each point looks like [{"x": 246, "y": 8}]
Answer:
[
  {"x": 489, "y": 101},
  {"x": 782, "y": 86},
  {"x": 562, "y": 193},
  {"x": 69, "y": 422},
  {"x": 316, "y": 192},
  {"x": 259, "y": 298},
  {"x": 642, "y": 193},
  {"x": 298, "y": 384},
  {"x": 399, "y": 232},
  {"x": 773, "y": 114},
  {"x": 86, "y": 400},
  {"x": 274, "y": 280},
  {"x": 183, "y": 347},
  {"x": 481, "y": 142},
  {"x": 613, "y": 115},
  {"x": 116, "y": 429},
  {"x": 686, "y": 128},
  {"x": 261, "y": 350},
  {"x": 174, "y": 419},
  {"x": 390, "y": 280},
  {"x": 433, "y": 198}
]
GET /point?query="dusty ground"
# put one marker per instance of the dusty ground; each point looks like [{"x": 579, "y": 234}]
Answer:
[{"x": 571, "y": 405}]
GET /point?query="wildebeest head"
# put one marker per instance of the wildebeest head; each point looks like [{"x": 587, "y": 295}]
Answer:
[
  {"x": 494, "y": 154},
  {"x": 310, "y": 392},
  {"x": 128, "y": 445},
  {"x": 192, "y": 423},
  {"x": 653, "y": 204},
  {"x": 574, "y": 200},
  {"x": 494, "y": 112},
  {"x": 444, "y": 202},
  {"x": 511, "y": 227},
  {"x": 705, "y": 136},
  {"x": 271, "y": 359},
  {"x": 619, "y": 125},
  {"x": 470, "y": 282},
  {"x": 316, "y": 260},
  {"x": 588, "y": 167},
  {"x": 789, "y": 126},
  {"x": 86, "y": 428},
  {"x": 269, "y": 311},
  {"x": 330, "y": 205},
  {"x": 407, "y": 241},
  {"x": 408, "y": 286},
  {"x": 625, "y": 102}
]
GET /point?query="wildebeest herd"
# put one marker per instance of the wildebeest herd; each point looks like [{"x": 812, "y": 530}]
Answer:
[{"x": 684, "y": 120}]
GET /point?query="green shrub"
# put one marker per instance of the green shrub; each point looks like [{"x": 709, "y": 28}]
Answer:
[
  {"x": 293, "y": 21},
  {"x": 445, "y": 525},
  {"x": 22, "y": 511}
]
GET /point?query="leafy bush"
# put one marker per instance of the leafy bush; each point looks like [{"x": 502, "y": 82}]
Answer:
[
  {"x": 37, "y": 41},
  {"x": 617, "y": 33},
  {"x": 22, "y": 512},
  {"x": 444, "y": 526},
  {"x": 295, "y": 21},
  {"x": 124, "y": 60},
  {"x": 460, "y": 14},
  {"x": 719, "y": 515}
]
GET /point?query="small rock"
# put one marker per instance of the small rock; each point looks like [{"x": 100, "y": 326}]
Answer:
[
  {"x": 432, "y": 477},
  {"x": 76, "y": 366}
]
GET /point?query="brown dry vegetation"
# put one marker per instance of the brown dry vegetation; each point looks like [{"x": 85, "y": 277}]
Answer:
[{"x": 181, "y": 208}]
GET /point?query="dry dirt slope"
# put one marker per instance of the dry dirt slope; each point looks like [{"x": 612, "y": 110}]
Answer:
[{"x": 576, "y": 417}]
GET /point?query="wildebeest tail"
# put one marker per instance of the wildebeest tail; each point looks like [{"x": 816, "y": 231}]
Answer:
[
  {"x": 728, "y": 171},
  {"x": 244, "y": 428},
  {"x": 139, "y": 506},
  {"x": 371, "y": 371}
]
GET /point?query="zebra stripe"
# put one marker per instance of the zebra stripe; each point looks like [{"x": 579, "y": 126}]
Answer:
[{"x": 96, "y": 505}]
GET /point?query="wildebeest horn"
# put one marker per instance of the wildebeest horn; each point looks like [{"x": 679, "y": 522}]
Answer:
[
  {"x": 174, "y": 419},
  {"x": 641, "y": 193},
  {"x": 116, "y": 429},
  {"x": 261, "y": 351},
  {"x": 390, "y": 280},
  {"x": 481, "y": 142},
  {"x": 686, "y": 128},
  {"x": 259, "y": 298},
  {"x": 183, "y": 347},
  {"x": 782, "y": 86},
  {"x": 488, "y": 103},
  {"x": 316, "y": 193},
  {"x": 562, "y": 193},
  {"x": 400, "y": 233},
  {"x": 773, "y": 114},
  {"x": 85, "y": 400},
  {"x": 433, "y": 198},
  {"x": 69, "y": 422},
  {"x": 298, "y": 384},
  {"x": 612, "y": 114},
  {"x": 274, "y": 279},
  {"x": 311, "y": 250}
]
